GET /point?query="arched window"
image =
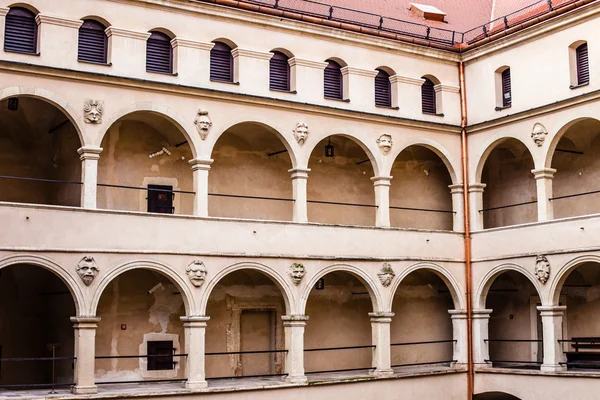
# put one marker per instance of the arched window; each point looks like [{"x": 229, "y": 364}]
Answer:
[
  {"x": 583, "y": 66},
  {"x": 221, "y": 63},
  {"x": 92, "y": 42},
  {"x": 334, "y": 82},
  {"x": 428, "y": 97},
  {"x": 506, "y": 88},
  {"x": 159, "y": 53},
  {"x": 20, "y": 32},
  {"x": 383, "y": 89},
  {"x": 279, "y": 72}
]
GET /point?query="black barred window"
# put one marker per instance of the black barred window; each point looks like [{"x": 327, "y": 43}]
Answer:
[
  {"x": 93, "y": 42},
  {"x": 20, "y": 32},
  {"x": 583, "y": 65}
]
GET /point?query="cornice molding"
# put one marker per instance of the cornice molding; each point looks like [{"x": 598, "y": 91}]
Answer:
[
  {"x": 407, "y": 80},
  {"x": 447, "y": 88},
  {"x": 4, "y": 11},
  {"x": 192, "y": 44},
  {"x": 306, "y": 63},
  {"x": 50, "y": 20},
  {"x": 113, "y": 31},
  {"x": 359, "y": 72},
  {"x": 259, "y": 55}
]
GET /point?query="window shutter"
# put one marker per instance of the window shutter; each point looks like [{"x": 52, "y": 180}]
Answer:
[
  {"x": 221, "y": 63},
  {"x": 333, "y": 81},
  {"x": 20, "y": 32},
  {"x": 383, "y": 90},
  {"x": 506, "y": 88},
  {"x": 279, "y": 74},
  {"x": 92, "y": 42},
  {"x": 583, "y": 66},
  {"x": 428, "y": 97},
  {"x": 159, "y": 53}
]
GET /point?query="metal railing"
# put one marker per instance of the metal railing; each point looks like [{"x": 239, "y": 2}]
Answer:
[
  {"x": 248, "y": 352},
  {"x": 341, "y": 348},
  {"x": 428, "y": 342},
  {"x": 514, "y": 363},
  {"x": 53, "y": 384},
  {"x": 174, "y": 361}
]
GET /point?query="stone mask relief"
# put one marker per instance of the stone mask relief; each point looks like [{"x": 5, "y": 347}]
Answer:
[
  {"x": 385, "y": 143},
  {"x": 538, "y": 134},
  {"x": 203, "y": 123},
  {"x": 196, "y": 272},
  {"x": 296, "y": 273},
  {"x": 542, "y": 268},
  {"x": 386, "y": 275},
  {"x": 87, "y": 269},
  {"x": 92, "y": 111},
  {"x": 301, "y": 132}
]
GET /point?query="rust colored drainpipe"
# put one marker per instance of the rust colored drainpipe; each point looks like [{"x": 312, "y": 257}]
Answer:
[{"x": 468, "y": 274}]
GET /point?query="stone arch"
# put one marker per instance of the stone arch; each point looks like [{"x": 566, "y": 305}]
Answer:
[
  {"x": 184, "y": 127},
  {"x": 54, "y": 99},
  {"x": 79, "y": 299},
  {"x": 285, "y": 51},
  {"x": 97, "y": 18},
  {"x": 226, "y": 41},
  {"x": 176, "y": 279},
  {"x": 442, "y": 273},
  {"x": 563, "y": 273},
  {"x": 432, "y": 78},
  {"x": 495, "y": 396},
  {"x": 26, "y": 6},
  {"x": 278, "y": 280},
  {"x": 166, "y": 31},
  {"x": 360, "y": 274},
  {"x": 490, "y": 146},
  {"x": 387, "y": 70},
  {"x": 558, "y": 136},
  {"x": 490, "y": 277}
]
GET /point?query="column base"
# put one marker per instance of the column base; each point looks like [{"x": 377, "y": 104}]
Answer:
[
  {"x": 296, "y": 379},
  {"x": 84, "y": 389},
  {"x": 553, "y": 368},
  {"x": 383, "y": 372},
  {"x": 195, "y": 386}
]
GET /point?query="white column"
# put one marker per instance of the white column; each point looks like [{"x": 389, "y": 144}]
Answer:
[
  {"x": 382, "y": 200},
  {"x": 457, "y": 191},
  {"x": 459, "y": 333},
  {"x": 481, "y": 349},
  {"x": 543, "y": 181},
  {"x": 552, "y": 317},
  {"x": 382, "y": 355},
  {"x": 195, "y": 332},
  {"x": 293, "y": 326},
  {"x": 200, "y": 170},
  {"x": 476, "y": 203},
  {"x": 85, "y": 353},
  {"x": 89, "y": 157},
  {"x": 299, "y": 181}
]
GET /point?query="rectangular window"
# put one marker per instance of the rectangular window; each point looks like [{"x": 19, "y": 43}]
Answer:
[
  {"x": 583, "y": 66},
  {"x": 160, "y": 199},
  {"x": 160, "y": 355},
  {"x": 506, "y": 88}
]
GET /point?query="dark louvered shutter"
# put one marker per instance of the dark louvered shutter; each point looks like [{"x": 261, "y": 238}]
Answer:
[
  {"x": 334, "y": 84},
  {"x": 279, "y": 72},
  {"x": 583, "y": 65},
  {"x": 506, "y": 90},
  {"x": 221, "y": 63},
  {"x": 428, "y": 97},
  {"x": 20, "y": 32},
  {"x": 159, "y": 53},
  {"x": 92, "y": 42},
  {"x": 383, "y": 89}
]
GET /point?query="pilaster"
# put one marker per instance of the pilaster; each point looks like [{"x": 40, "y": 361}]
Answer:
[
  {"x": 382, "y": 355},
  {"x": 293, "y": 326},
  {"x": 195, "y": 346},
  {"x": 299, "y": 182},
  {"x": 552, "y": 318},
  {"x": 543, "y": 181},
  {"x": 200, "y": 169},
  {"x": 459, "y": 334},
  {"x": 476, "y": 202},
  {"x": 481, "y": 349},
  {"x": 458, "y": 206},
  {"x": 85, "y": 353},
  {"x": 382, "y": 200},
  {"x": 89, "y": 157}
]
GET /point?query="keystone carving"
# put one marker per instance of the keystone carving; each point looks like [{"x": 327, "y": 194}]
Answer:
[
  {"x": 92, "y": 111},
  {"x": 296, "y": 273},
  {"x": 196, "y": 272},
  {"x": 538, "y": 134},
  {"x": 87, "y": 269},
  {"x": 386, "y": 275},
  {"x": 301, "y": 132},
  {"x": 203, "y": 123},
  {"x": 385, "y": 143},
  {"x": 542, "y": 268}
]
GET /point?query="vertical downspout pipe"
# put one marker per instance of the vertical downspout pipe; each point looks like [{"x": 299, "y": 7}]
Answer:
[{"x": 468, "y": 272}]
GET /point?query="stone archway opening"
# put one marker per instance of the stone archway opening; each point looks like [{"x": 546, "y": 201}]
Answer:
[
  {"x": 340, "y": 189},
  {"x": 495, "y": 396},
  {"x": 155, "y": 154},
  {"x": 419, "y": 192},
  {"x": 39, "y": 163},
  {"x": 249, "y": 177},
  {"x": 35, "y": 327},
  {"x": 421, "y": 330},
  {"x": 140, "y": 336},
  {"x": 245, "y": 334}
]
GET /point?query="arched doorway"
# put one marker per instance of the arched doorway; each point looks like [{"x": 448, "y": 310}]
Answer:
[{"x": 39, "y": 162}]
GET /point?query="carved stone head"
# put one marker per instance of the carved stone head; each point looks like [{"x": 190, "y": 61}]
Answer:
[
  {"x": 386, "y": 275},
  {"x": 203, "y": 123},
  {"x": 296, "y": 273},
  {"x": 385, "y": 143},
  {"x": 87, "y": 269},
  {"x": 542, "y": 268},
  {"x": 196, "y": 272},
  {"x": 538, "y": 134},
  {"x": 92, "y": 111},
  {"x": 301, "y": 132}
]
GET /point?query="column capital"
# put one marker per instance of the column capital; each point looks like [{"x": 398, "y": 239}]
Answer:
[
  {"x": 482, "y": 313},
  {"x": 199, "y": 164},
  {"x": 194, "y": 321},
  {"x": 89, "y": 153},
  {"x": 382, "y": 180},
  {"x": 381, "y": 317},
  {"x": 85, "y": 322},
  {"x": 551, "y": 311},
  {"x": 476, "y": 187},
  {"x": 458, "y": 314},
  {"x": 457, "y": 188},
  {"x": 543, "y": 173},
  {"x": 294, "y": 320},
  {"x": 299, "y": 173}
]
